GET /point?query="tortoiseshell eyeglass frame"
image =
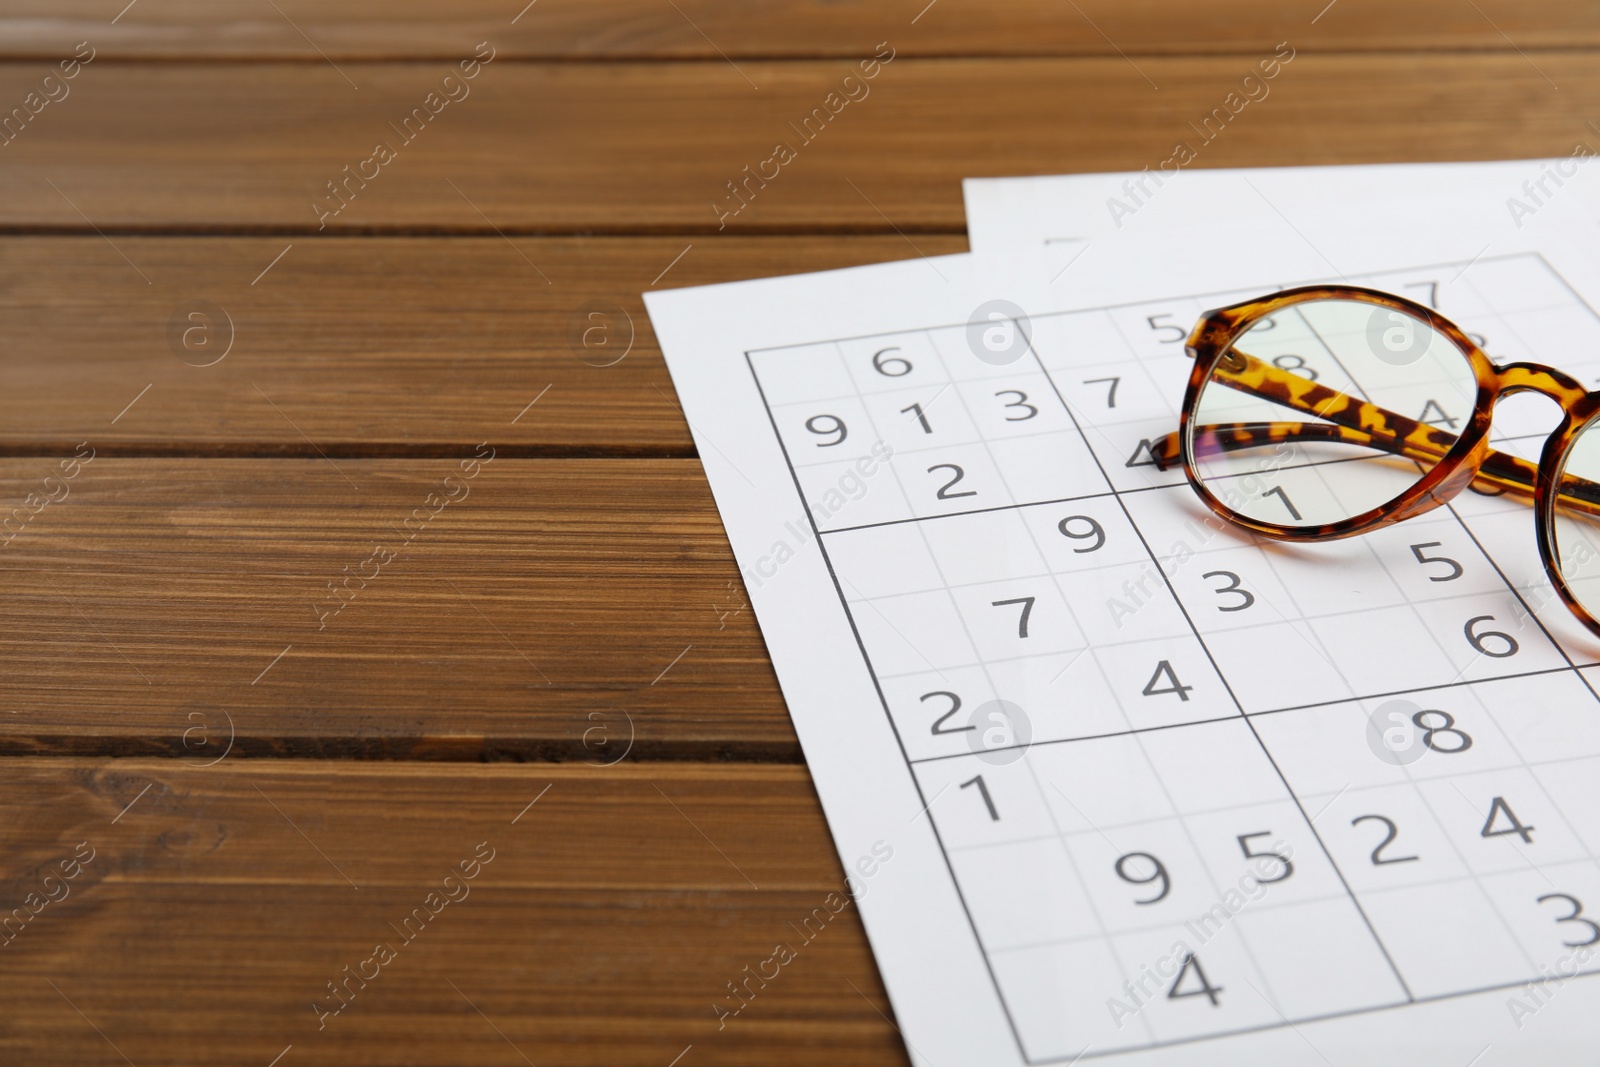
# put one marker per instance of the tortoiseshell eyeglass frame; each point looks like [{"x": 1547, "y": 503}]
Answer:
[{"x": 1458, "y": 459}]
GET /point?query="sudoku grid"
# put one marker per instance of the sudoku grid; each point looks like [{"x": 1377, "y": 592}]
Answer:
[{"x": 1189, "y": 782}]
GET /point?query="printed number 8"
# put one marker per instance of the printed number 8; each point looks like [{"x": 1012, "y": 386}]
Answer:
[{"x": 1447, "y": 727}]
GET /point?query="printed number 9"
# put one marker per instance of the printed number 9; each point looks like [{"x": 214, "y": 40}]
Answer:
[
  {"x": 1158, "y": 875},
  {"x": 819, "y": 425},
  {"x": 1096, "y": 532}
]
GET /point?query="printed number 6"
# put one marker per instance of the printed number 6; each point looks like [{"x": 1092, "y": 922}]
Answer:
[
  {"x": 1476, "y": 638},
  {"x": 882, "y": 364}
]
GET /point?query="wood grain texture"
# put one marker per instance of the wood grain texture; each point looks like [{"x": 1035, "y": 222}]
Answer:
[
  {"x": 219, "y": 902},
  {"x": 177, "y": 597},
  {"x": 556, "y": 609},
  {"x": 638, "y": 147},
  {"x": 361, "y": 346},
  {"x": 638, "y": 29}
]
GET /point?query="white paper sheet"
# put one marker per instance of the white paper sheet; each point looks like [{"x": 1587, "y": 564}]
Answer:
[
  {"x": 1339, "y": 210},
  {"x": 843, "y": 417}
]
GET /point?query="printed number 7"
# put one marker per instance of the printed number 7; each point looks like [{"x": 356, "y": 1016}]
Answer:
[
  {"x": 1027, "y": 610},
  {"x": 1111, "y": 391}
]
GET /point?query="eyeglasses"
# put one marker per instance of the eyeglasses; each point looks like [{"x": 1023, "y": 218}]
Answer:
[{"x": 1329, "y": 411}]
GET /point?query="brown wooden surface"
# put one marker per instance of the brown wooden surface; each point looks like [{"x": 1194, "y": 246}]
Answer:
[
  {"x": 601, "y": 29},
  {"x": 613, "y": 915},
  {"x": 650, "y": 147},
  {"x": 367, "y": 346},
  {"x": 535, "y": 617},
  {"x": 581, "y": 604}
]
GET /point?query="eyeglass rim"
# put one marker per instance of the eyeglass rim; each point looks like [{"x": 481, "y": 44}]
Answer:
[
  {"x": 1217, "y": 330},
  {"x": 1553, "y": 460}
]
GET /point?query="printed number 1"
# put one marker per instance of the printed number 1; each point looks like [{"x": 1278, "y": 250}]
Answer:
[
  {"x": 1278, "y": 492},
  {"x": 983, "y": 791},
  {"x": 916, "y": 409}
]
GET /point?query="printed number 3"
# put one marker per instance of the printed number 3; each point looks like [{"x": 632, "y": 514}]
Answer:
[
  {"x": 1246, "y": 598},
  {"x": 1575, "y": 916},
  {"x": 1020, "y": 402}
]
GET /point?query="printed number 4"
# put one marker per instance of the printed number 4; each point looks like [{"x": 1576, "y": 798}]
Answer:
[
  {"x": 1200, "y": 985},
  {"x": 1164, "y": 670},
  {"x": 1498, "y": 808}
]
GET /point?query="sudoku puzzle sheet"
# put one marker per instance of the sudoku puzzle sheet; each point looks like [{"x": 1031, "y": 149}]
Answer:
[{"x": 1187, "y": 782}]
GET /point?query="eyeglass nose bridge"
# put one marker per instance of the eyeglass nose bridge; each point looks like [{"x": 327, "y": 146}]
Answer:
[{"x": 1559, "y": 386}]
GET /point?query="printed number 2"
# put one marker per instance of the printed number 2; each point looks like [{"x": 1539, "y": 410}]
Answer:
[
  {"x": 1378, "y": 858},
  {"x": 955, "y": 706},
  {"x": 944, "y": 492}
]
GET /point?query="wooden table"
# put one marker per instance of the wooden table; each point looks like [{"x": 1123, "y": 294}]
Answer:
[{"x": 355, "y": 534}]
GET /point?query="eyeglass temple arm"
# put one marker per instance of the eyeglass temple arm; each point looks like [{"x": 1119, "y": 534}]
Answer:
[{"x": 1357, "y": 422}]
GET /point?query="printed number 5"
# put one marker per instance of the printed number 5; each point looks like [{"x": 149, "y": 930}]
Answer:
[
  {"x": 1283, "y": 861},
  {"x": 1177, "y": 334},
  {"x": 1456, "y": 569}
]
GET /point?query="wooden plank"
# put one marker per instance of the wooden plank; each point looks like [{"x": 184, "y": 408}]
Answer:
[
  {"x": 555, "y": 608},
  {"x": 218, "y": 903},
  {"x": 361, "y": 346},
  {"x": 648, "y": 147},
  {"x": 599, "y": 29}
]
